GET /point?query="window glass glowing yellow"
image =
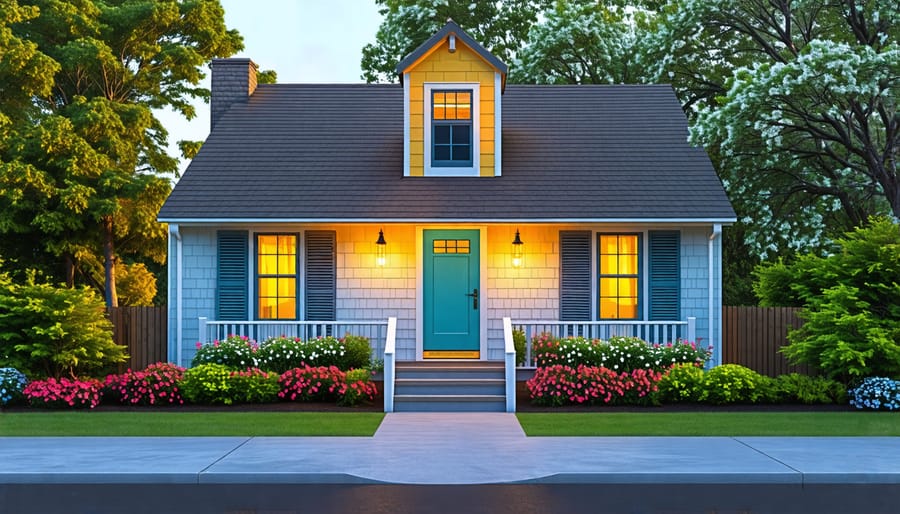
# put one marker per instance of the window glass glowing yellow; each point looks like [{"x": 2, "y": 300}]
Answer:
[
  {"x": 618, "y": 278},
  {"x": 277, "y": 276}
]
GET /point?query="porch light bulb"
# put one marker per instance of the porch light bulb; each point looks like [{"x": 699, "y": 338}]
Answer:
[
  {"x": 517, "y": 250},
  {"x": 380, "y": 250}
]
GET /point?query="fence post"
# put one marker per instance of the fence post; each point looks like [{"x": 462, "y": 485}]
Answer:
[
  {"x": 692, "y": 329},
  {"x": 202, "y": 334}
]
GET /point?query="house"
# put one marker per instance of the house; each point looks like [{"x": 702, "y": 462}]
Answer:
[{"x": 449, "y": 201}]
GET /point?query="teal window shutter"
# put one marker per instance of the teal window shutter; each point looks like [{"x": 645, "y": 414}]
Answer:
[
  {"x": 574, "y": 275},
  {"x": 231, "y": 275},
  {"x": 321, "y": 275},
  {"x": 665, "y": 275}
]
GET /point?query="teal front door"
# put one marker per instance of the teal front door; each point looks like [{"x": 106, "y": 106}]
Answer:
[{"x": 451, "y": 297}]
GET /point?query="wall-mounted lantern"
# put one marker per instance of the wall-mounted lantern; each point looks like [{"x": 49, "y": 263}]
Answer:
[
  {"x": 517, "y": 251},
  {"x": 380, "y": 250}
]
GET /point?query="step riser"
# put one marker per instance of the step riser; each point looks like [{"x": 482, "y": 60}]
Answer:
[
  {"x": 460, "y": 389},
  {"x": 449, "y": 407},
  {"x": 442, "y": 374}
]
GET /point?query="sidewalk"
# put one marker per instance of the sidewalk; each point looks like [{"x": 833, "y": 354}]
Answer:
[{"x": 455, "y": 449}]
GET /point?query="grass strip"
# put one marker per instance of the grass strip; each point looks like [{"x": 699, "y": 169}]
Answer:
[
  {"x": 88, "y": 423},
  {"x": 711, "y": 424}
]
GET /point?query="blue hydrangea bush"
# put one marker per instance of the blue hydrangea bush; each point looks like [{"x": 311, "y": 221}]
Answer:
[
  {"x": 876, "y": 393},
  {"x": 12, "y": 381}
]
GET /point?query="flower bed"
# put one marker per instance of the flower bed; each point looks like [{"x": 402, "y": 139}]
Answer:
[{"x": 617, "y": 353}]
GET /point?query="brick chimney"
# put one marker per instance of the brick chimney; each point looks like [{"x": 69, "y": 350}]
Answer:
[{"x": 233, "y": 81}]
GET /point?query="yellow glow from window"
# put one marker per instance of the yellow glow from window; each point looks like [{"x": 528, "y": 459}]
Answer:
[
  {"x": 451, "y": 105},
  {"x": 619, "y": 273},
  {"x": 277, "y": 281}
]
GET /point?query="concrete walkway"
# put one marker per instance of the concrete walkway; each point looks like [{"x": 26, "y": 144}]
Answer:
[{"x": 453, "y": 449}]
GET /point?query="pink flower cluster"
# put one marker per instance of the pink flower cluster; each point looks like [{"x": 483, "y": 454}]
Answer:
[
  {"x": 590, "y": 385},
  {"x": 323, "y": 384},
  {"x": 157, "y": 384},
  {"x": 63, "y": 393}
]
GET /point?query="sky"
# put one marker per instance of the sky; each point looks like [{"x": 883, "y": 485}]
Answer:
[{"x": 317, "y": 41}]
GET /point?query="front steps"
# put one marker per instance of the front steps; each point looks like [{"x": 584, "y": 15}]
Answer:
[{"x": 450, "y": 386}]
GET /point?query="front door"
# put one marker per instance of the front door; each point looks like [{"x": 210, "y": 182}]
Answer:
[{"x": 451, "y": 301}]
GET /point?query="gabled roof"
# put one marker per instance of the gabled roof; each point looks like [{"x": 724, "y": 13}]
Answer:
[
  {"x": 450, "y": 28},
  {"x": 322, "y": 153}
]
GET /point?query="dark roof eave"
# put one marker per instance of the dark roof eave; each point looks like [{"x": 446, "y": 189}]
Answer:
[{"x": 451, "y": 27}]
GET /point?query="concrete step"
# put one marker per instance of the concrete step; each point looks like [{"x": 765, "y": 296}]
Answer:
[
  {"x": 449, "y": 403},
  {"x": 458, "y": 386},
  {"x": 456, "y": 370}
]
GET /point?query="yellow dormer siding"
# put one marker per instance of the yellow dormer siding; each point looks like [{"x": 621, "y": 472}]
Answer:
[{"x": 440, "y": 73}]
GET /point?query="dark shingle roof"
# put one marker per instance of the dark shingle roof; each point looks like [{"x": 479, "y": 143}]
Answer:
[{"x": 335, "y": 152}]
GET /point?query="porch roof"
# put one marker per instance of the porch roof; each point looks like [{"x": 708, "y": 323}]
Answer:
[{"x": 323, "y": 152}]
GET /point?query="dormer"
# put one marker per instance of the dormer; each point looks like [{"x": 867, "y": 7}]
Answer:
[{"x": 451, "y": 107}]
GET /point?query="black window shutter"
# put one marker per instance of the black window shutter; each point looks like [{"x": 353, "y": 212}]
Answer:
[
  {"x": 321, "y": 275},
  {"x": 665, "y": 275},
  {"x": 574, "y": 275},
  {"x": 231, "y": 275}
]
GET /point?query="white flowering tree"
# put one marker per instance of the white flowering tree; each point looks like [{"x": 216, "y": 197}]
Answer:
[{"x": 796, "y": 100}]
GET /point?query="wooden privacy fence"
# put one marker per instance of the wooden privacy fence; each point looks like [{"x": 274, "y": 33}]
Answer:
[
  {"x": 143, "y": 331},
  {"x": 752, "y": 336}
]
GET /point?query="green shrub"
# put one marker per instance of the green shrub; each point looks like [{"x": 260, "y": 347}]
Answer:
[
  {"x": 798, "y": 388},
  {"x": 732, "y": 383},
  {"x": 850, "y": 300},
  {"x": 358, "y": 375},
  {"x": 207, "y": 384},
  {"x": 50, "y": 331},
  {"x": 233, "y": 352},
  {"x": 12, "y": 381},
  {"x": 618, "y": 353},
  {"x": 254, "y": 386},
  {"x": 682, "y": 383},
  {"x": 358, "y": 352},
  {"x": 519, "y": 344}
]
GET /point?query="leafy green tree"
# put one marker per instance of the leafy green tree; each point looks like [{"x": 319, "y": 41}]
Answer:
[
  {"x": 87, "y": 175},
  {"x": 501, "y": 27},
  {"x": 137, "y": 286},
  {"x": 53, "y": 331},
  {"x": 584, "y": 43},
  {"x": 850, "y": 300},
  {"x": 798, "y": 99}
]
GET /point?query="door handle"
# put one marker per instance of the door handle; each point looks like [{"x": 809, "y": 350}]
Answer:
[{"x": 474, "y": 295}]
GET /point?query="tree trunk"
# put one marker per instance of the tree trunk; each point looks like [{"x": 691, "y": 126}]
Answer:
[
  {"x": 70, "y": 271},
  {"x": 109, "y": 263}
]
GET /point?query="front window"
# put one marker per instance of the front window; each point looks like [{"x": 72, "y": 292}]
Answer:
[
  {"x": 451, "y": 125},
  {"x": 619, "y": 276},
  {"x": 276, "y": 258}
]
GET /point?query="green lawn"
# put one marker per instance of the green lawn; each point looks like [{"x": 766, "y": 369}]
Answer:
[
  {"x": 711, "y": 424},
  {"x": 87, "y": 423}
]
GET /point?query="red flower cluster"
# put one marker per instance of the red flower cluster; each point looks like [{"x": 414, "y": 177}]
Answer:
[
  {"x": 563, "y": 385},
  {"x": 156, "y": 384},
  {"x": 323, "y": 384},
  {"x": 63, "y": 393}
]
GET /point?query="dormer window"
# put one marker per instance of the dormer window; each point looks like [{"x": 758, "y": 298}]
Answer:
[
  {"x": 451, "y": 140},
  {"x": 451, "y": 128}
]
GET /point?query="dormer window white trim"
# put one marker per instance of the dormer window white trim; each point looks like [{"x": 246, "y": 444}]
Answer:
[{"x": 436, "y": 164}]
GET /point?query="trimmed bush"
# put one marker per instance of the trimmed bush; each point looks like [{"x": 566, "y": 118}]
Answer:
[
  {"x": 308, "y": 384},
  {"x": 254, "y": 386},
  {"x": 12, "y": 381},
  {"x": 876, "y": 393},
  {"x": 358, "y": 352},
  {"x": 733, "y": 383},
  {"x": 797, "y": 388},
  {"x": 157, "y": 384},
  {"x": 63, "y": 393},
  {"x": 682, "y": 383},
  {"x": 618, "y": 353},
  {"x": 207, "y": 384},
  {"x": 590, "y": 385},
  {"x": 233, "y": 352}
]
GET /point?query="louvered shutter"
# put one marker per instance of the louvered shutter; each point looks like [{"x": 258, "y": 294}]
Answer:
[
  {"x": 231, "y": 276},
  {"x": 665, "y": 276},
  {"x": 574, "y": 275},
  {"x": 321, "y": 275}
]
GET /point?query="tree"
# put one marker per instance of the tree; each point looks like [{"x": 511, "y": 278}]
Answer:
[
  {"x": 583, "y": 43},
  {"x": 88, "y": 173},
  {"x": 501, "y": 27},
  {"x": 799, "y": 101},
  {"x": 850, "y": 301}
]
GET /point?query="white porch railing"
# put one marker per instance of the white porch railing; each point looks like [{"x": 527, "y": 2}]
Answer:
[
  {"x": 390, "y": 351},
  {"x": 375, "y": 331},
  {"x": 509, "y": 356},
  {"x": 660, "y": 332}
]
